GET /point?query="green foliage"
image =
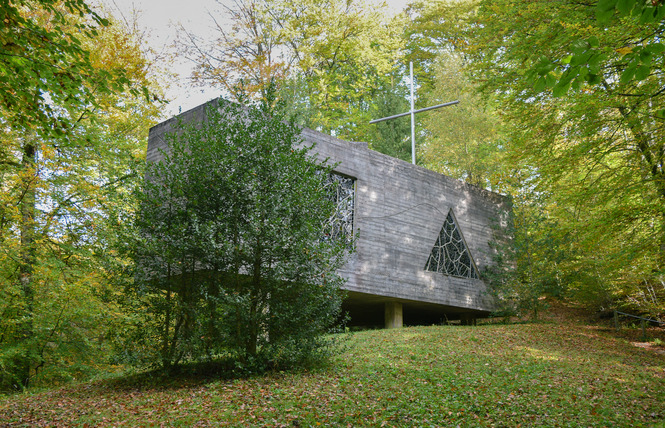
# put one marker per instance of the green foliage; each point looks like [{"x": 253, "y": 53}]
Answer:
[
  {"x": 528, "y": 257},
  {"x": 230, "y": 254},
  {"x": 61, "y": 182},
  {"x": 588, "y": 58},
  {"x": 432, "y": 29},
  {"x": 546, "y": 375},
  {"x": 589, "y": 162},
  {"x": 392, "y": 137},
  {"x": 45, "y": 68},
  {"x": 463, "y": 141},
  {"x": 329, "y": 59}
]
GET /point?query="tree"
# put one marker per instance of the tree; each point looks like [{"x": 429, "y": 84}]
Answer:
[
  {"x": 585, "y": 59},
  {"x": 328, "y": 58},
  {"x": 463, "y": 141},
  {"x": 45, "y": 67},
  {"x": 435, "y": 28},
  {"x": 460, "y": 141},
  {"x": 597, "y": 153},
  {"x": 244, "y": 60},
  {"x": 528, "y": 259},
  {"x": 392, "y": 137},
  {"x": 231, "y": 255},
  {"x": 69, "y": 155}
]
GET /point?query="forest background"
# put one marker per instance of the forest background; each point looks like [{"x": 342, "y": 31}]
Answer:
[{"x": 561, "y": 108}]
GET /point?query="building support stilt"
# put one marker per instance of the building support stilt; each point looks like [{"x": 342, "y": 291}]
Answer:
[{"x": 393, "y": 315}]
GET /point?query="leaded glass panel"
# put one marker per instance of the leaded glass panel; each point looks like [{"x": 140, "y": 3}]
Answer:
[
  {"x": 342, "y": 191},
  {"x": 450, "y": 255}
]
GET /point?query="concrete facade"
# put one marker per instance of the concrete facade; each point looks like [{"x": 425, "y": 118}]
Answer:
[{"x": 399, "y": 212}]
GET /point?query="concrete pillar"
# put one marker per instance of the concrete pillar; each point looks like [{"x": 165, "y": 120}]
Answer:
[{"x": 393, "y": 315}]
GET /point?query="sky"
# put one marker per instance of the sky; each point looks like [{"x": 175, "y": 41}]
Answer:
[{"x": 160, "y": 19}]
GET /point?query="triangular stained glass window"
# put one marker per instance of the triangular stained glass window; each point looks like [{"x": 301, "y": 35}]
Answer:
[{"x": 450, "y": 255}]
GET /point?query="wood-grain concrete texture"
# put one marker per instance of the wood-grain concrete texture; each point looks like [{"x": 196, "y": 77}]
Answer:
[{"x": 399, "y": 211}]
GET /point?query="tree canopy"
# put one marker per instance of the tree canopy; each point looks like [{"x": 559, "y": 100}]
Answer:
[
  {"x": 46, "y": 70},
  {"x": 330, "y": 59},
  {"x": 595, "y": 155},
  {"x": 73, "y": 119}
]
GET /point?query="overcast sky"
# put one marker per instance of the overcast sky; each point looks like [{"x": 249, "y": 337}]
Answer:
[{"x": 161, "y": 17}]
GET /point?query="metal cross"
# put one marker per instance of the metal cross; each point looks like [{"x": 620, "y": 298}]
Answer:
[{"x": 413, "y": 112}]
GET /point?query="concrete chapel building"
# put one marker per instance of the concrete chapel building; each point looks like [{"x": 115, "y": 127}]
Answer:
[{"x": 422, "y": 238}]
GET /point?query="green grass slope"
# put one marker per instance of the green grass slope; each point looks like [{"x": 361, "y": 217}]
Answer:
[{"x": 557, "y": 374}]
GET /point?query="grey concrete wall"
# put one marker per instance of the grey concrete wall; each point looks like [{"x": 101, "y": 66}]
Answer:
[{"x": 399, "y": 211}]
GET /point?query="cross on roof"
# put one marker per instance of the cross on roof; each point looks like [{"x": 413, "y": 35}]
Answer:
[{"x": 413, "y": 112}]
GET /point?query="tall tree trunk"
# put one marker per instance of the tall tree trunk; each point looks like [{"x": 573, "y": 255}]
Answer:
[
  {"x": 166, "y": 357},
  {"x": 652, "y": 155},
  {"x": 28, "y": 255},
  {"x": 255, "y": 296}
]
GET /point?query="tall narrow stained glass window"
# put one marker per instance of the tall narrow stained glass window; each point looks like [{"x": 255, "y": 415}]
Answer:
[
  {"x": 450, "y": 255},
  {"x": 342, "y": 191}
]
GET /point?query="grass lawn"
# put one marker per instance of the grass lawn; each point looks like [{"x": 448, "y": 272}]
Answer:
[{"x": 551, "y": 374}]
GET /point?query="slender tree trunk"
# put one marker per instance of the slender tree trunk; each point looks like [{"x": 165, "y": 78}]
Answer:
[
  {"x": 28, "y": 255},
  {"x": 166, "y": 357},
  {"x": 255, "y": 296},
  {"x": 652, "y": 157},
  {"x": 237, "y": 287}
]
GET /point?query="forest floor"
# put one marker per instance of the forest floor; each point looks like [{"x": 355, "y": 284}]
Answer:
[{"x": 561, "y": 371}]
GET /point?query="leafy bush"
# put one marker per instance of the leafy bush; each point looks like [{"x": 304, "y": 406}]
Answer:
[{"x": 229, "y": 249}]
